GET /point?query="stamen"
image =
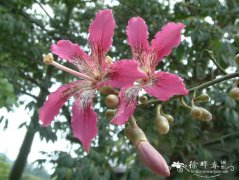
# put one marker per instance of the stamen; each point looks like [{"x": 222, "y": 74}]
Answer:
[
  {"x": 108, "y": 60},
  {"x": 49, "y": 60}
]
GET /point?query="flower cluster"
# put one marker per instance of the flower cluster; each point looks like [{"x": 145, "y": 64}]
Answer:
[{"x": 97, "y": 70}]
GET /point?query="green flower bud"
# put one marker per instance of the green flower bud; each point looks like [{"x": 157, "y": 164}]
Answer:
[
  {"x": 237, "y": 59},
  {"x": 143, "y": 99},
  {"x": 203, "y": 98},
  {"x": 234, "y": 93},
  {"x": 110, "y": 113},
  {"x": 162, "y": 124},
  {"x": 112, "y": 101},
  {"x": 169, "y": 118}
]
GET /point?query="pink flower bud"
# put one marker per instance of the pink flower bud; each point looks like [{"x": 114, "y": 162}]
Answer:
[{"x": 152, "y": 158}]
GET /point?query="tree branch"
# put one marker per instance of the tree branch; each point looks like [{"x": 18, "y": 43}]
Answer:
[
  {"x": 201, "y": 86},
  {"x": 220, "y": 139}
]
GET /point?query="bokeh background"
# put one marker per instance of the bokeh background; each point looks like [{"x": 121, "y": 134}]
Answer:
[{"x": 29, "y": 27}]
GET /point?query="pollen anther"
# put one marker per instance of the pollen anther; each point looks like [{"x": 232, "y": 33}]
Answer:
[{"x": 48, "y": 58}]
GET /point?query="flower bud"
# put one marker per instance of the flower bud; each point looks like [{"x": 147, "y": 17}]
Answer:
[
  {"x": 112, "y": 101},
  {"x": 162, "y": 124},
  {"x": 143, "y": 99},
  {"x": 234, "y": 93},
  {"x": 108, "y": 90},
  {"x": 135, "y": 134},
  {"x": 109, "y": 114},
  {"x": 206, "y": 115},
  {"x": 196, "y": 112},
  {"x": 147, "y": 153},
  {"x": 237, "y": 59},
  {"x": 152, "y": 158},
  {"x": 169, "y": 118},
  {"x": 201, "y": 114},
  {"x": 203, "y": 98}
]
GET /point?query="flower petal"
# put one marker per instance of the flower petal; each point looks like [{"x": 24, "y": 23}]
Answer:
[
  {"x": 123, "y": 73},
  {"x": 55, "y": 101},
  {"x": 67, "y": 50},
  {"x": 137, "y": 32},
  {"x": 165, "y": 40},
  {"x": 101, "y": 31},
  {"x": 152, "y": 158},
  {"x": 84, "y": 119},
  {"x": 128, "y": 102},
  {"x": 165, "y": 85}
]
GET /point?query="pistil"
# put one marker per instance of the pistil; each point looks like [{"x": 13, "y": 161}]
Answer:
[{"x": 49, "y": 60}]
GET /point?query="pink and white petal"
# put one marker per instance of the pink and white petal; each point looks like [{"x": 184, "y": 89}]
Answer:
[
  {"x": 67, "y": 50},
  {"x": 84, "y": 119},
  {"x": 123, "y": 73},
  {"x": 55, "y": 101},
  {"x": 137, "y": 32},
  {"x": 128, "y": 102},
  {"x": 165, "y": 40},
  {"x": 101, "y": 32},
  {"x": 165, "y": 85}
]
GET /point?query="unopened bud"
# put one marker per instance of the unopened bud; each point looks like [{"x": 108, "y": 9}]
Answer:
[
  {"x": 108, "y": 90},
  {"x": 109, "y": 114},
  {"x": 237, "y": 59},
  {"x": 143, "y": 99},
  {"x": 112, "y": 101},
  {"x": 169, "y": 118},
  {"x": 152, "y": 158},
  {"x": 203, "y": 98},
  {"x": 234, "y": 93},
  {"x": 196, "y": 112},
  {"x": 135, "y": 134},
  {"x": 162, "y": 124},
  {"x": 201, "y": 114},
  {"x": 206, "y": 115}
]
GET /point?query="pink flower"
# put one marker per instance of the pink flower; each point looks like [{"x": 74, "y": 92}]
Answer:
[
  {"x": 161, "y": 85},
  {"x": 152, "y": 158},
  {"x": 94, "y": 71}
]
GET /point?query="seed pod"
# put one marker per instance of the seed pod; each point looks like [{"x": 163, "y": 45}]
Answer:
[
  {"x": 234, "y": 93},
  {"x": 169, "y": 118},
  {"x": 109, "y": 114},
  {"x": 143, "y": 99},
  {"x": 237, "y": 59},
  {"x": 196, "y": 112},
  {"x": 162, "y": 124},
  {"x": 203, "y": 98},
  {"x": 112, "y": 101}
]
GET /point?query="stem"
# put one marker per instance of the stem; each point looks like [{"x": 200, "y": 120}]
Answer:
[
  {"x": 211, "y": 56},
  {"x": 132, "y": 121},
  {"x": 183, "y": 103},
  {"x": 73, "y": 72},
  {"x": 215, "y": 81}
]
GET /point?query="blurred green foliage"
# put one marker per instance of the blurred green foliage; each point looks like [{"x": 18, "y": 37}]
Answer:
[{"x": 27, "y": 29}]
